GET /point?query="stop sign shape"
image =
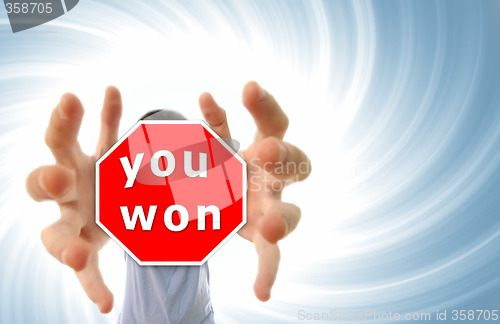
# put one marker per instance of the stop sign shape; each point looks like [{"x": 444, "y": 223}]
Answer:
[{"x": 170, "y": 192}]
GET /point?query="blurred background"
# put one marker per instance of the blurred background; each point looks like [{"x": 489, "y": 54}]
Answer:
[{"x": 397, "y": 103}]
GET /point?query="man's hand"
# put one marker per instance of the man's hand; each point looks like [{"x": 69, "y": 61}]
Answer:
[
  {"x": 272, "y": 164},
  {"x": 75, "y": 239}
]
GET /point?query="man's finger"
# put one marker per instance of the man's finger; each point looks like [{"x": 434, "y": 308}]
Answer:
[
  {"x": 269, "y": 258},
  {"x": 110, "y": 120},
  {"x": 270, "y": 119},
  {"x": 215, "y": 116},
  {"x": 285, "y": 161},
  {"x": 62, "y": 133},
  {"x": 279, "y": 220},
  {"x": 51, "y": 182},
  {"x": 62, "y": 241},
  {"x": 92, "y": 282}
]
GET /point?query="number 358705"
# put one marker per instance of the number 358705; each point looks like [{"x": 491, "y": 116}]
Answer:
[{"x": 29, "y": 8}]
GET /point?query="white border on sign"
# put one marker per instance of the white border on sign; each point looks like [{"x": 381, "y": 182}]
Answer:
[{"x": 171, "y": 122}]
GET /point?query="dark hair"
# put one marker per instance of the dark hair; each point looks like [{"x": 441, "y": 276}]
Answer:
[{"x": 162, "y": 114}]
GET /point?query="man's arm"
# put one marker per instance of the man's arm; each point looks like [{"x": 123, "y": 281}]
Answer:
[
  {"x": 75, "y": 239},
  {"x": 272, "y": 165}
]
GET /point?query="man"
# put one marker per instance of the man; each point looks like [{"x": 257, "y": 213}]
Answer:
[{"x": 75, "y": 239}]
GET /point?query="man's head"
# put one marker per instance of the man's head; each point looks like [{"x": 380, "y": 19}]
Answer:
[{"x": 162, "y": 114}]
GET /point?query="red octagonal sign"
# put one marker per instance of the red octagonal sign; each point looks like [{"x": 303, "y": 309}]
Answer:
[{"x": 170, "y": 192}]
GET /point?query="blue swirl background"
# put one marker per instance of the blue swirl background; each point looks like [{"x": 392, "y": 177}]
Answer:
[{"x": 396, "y": 102}]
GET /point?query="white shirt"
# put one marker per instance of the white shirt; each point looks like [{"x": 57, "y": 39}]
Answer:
[{"x": 166, "y": 294}]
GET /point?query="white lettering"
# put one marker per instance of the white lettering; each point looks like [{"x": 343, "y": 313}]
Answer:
[
  {"x": 130, "y": 222},
  {"x": 131, "y": 172},
  {"x": 188, "y": 165},
  {"x": 202, "y": 211},
  {"x": 184, "y": 216},
  {"x": 170, "y": 163}
]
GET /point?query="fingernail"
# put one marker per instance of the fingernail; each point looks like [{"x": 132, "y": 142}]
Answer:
[
  {"x": 262, "y": 92},
  {"x": 64, "y": 254},
  {"x": 286, "y": 226},
  {"x": 60, "y": 111},
  {"x": 282, "y": 153},
  {"x": 99, "y": 306},
  {"x": 42, "y": 186}
]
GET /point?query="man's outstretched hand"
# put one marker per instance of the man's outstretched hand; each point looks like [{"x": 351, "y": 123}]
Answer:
[
  {"x": 272, "y": 164},
  {"x": 75, "y": 239}
]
